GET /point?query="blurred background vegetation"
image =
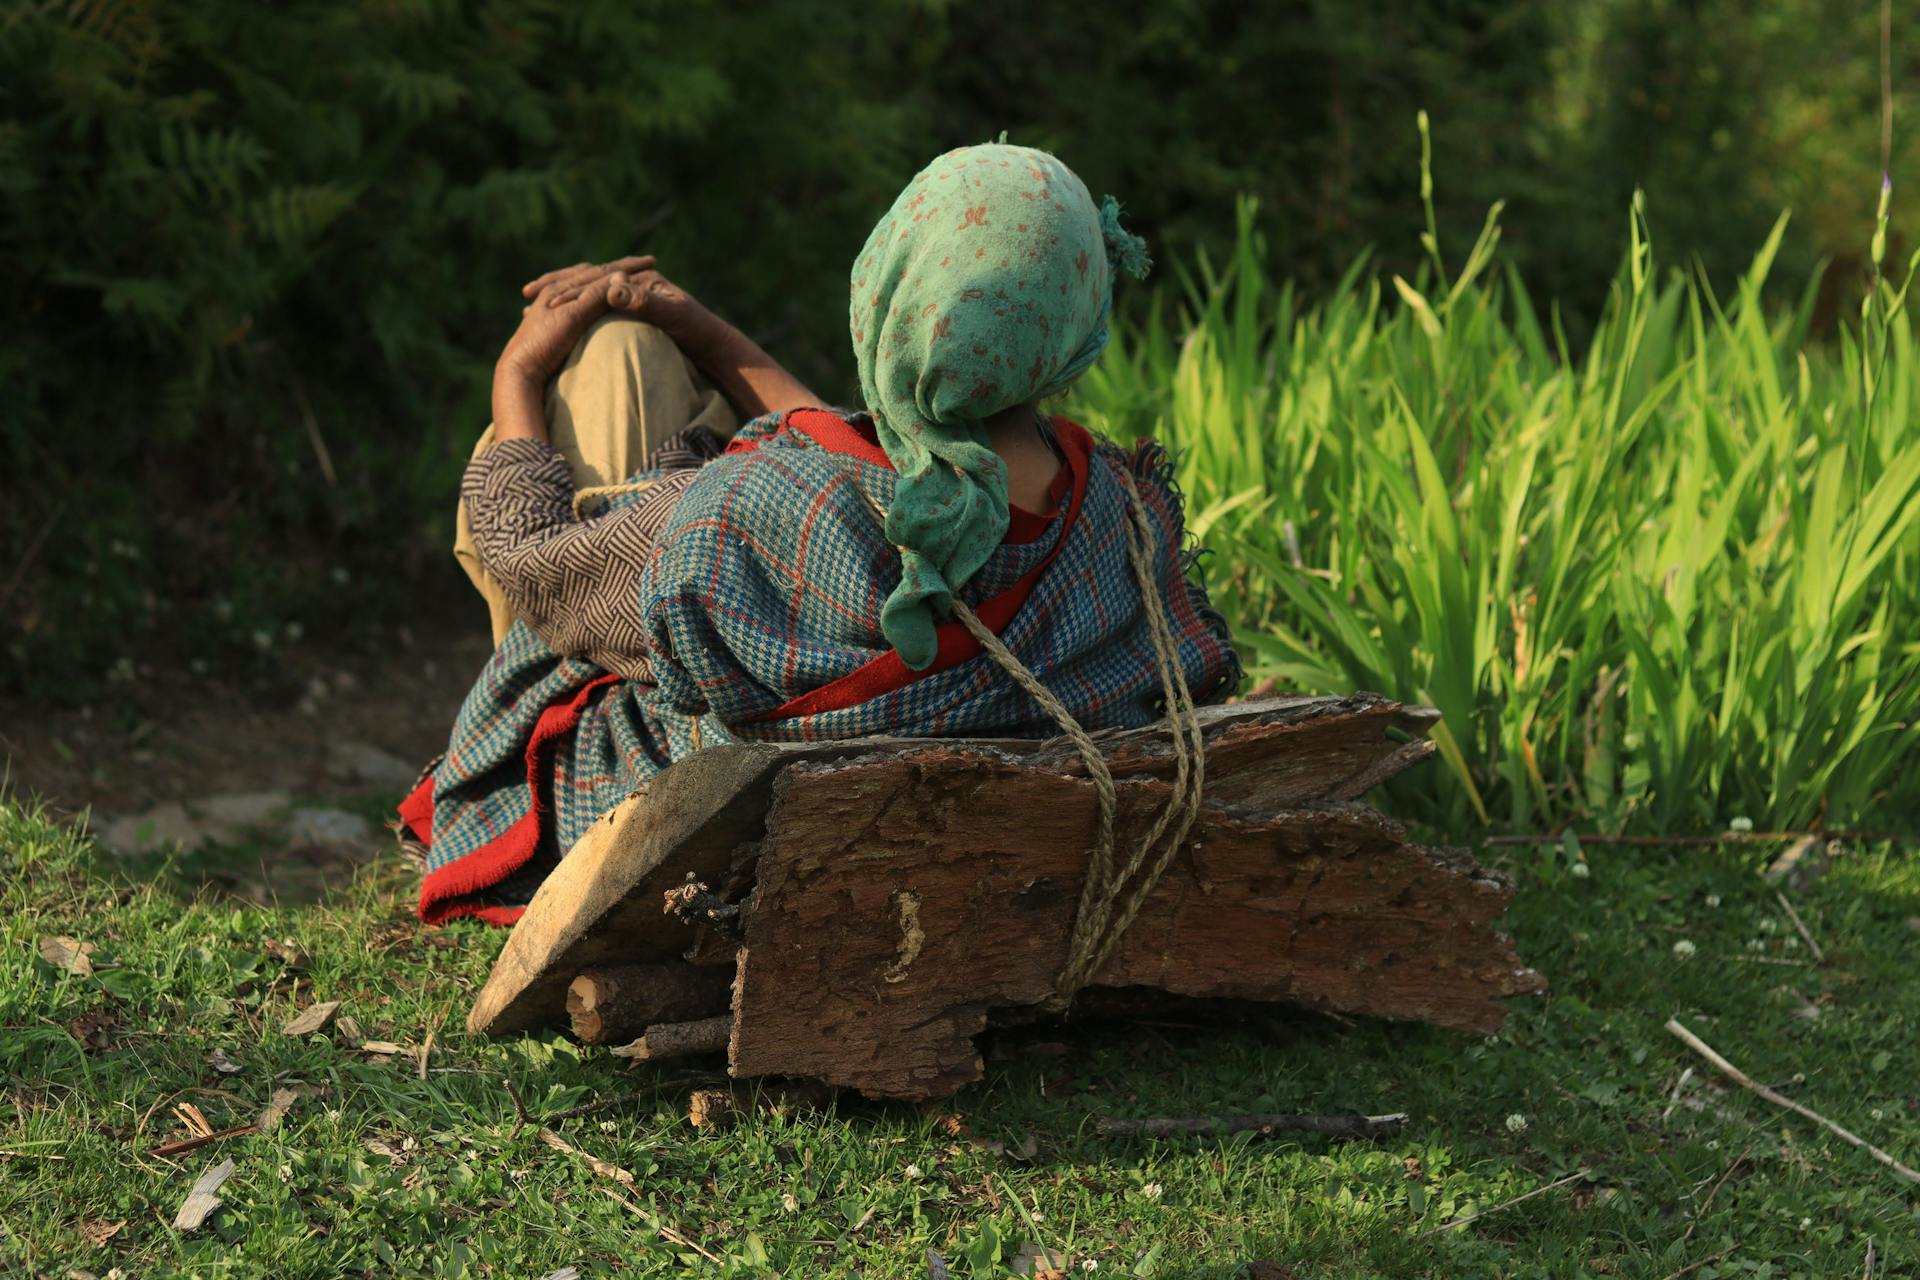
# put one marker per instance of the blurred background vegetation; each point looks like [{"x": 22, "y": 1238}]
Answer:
[{"x": 260, "y": 257}]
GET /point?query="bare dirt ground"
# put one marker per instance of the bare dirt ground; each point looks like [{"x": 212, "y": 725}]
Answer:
[{"x": 300, "y": 763}]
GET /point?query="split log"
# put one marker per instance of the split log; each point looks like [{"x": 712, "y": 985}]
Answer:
[
  {"x": 704, "y": 816},
  {"x": 947, "y": 880},
  {"x": 894, "y": 894},
  {"x": 679, "y": 1039},
  {"x": 615, "y": 1004}
]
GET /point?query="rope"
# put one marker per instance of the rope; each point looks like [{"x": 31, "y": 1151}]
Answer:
[
  {"x": 1097, "y": 925},
  {"x": 593, "y": 493}
]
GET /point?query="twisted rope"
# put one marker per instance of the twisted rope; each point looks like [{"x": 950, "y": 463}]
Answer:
[
  {"x": 593, "y": 493},
  {"x": 1107, "y": 907}
]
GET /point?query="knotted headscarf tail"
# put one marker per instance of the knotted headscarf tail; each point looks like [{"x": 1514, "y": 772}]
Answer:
[{"x": 986, "y": 285}]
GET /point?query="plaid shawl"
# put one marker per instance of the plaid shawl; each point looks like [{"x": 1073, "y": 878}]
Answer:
[{"x": 761, "y": 606}]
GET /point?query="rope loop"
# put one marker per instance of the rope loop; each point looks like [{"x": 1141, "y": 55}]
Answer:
[{"x": 1116, "y": 888}]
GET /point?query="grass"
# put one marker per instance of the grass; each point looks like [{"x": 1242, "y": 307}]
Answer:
[
  {"x": 1655, "y": 586},
  {"x": 867, "y": 1189}
]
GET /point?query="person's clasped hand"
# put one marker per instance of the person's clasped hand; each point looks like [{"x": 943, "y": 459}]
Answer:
[{"x": 562, "y": 305}]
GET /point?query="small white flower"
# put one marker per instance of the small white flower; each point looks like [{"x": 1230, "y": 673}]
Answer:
[
  {"x": 121, "y": 672},
  {"x": 1768, "y": 924},
  {"x": 1713, "y": 1144},
  {"x": 608, "y": 1126},
  {"x": 1516, "y": 1123},
  {"x": 1089, "y": 1265},
  {"x": 1039, "y": 1217},
  {"x": 790, "y": 1202},
  {"x": 1805, "y": 1223},
  {"x": 1580, "y": 870},
  {"x": 1151, "y": 1190},
  {"x": 1713, "y": 900},
  {"x": 1792, "y": 942},
  {"x": 1754, "y": 944},
  {"x": 1799, "y": 1077},
  {"x": 333, "y": 1115},
  {"x": 262, "y": 639},
  {"x": 1877, "y": 1114},
  {"x": 912, "y": 1171},
  {"x": 294, "y": 632},
  {"x": 1683, "y": 950},
  {"x": 340, "y": 576},
  {"x": 1742, "y": 825}
]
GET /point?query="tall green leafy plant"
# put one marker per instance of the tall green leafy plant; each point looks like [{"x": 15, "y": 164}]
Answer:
[{"x": 1658, "y": 585}]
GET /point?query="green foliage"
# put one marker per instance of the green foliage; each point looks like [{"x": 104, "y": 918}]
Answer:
[
  {"x": 1657, "y": 585},
  {"x": 376, "y": 1170}
]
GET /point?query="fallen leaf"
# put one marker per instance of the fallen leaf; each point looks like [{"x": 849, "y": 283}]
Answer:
[
  {"x": 712, "y": 1108},
  {"x": 277, "y": 1108},
  {"x": 383, "y": 1047},
  {"x": 93, "y": 1030},
  {"x": 97, "y": 1231},
  {"x": 346, "y": 1029},
  {"x": 68, "y": 955},
  {"x": 400, "y": 1152},
  {"x": 287, "y": 952},
  {"x": 315, "y": 1019},
  {"x": 1040, "y": 1262},
  {"x": 1269, "y": 1271},
  {"x": 220, "y": 1062},
  {"x": 564, "y": 1273},
  {"x": 595, "y": 1163},
  {"x": 203, "y": 1199}
]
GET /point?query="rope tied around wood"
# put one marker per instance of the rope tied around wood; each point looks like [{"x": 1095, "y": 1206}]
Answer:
[{"x": 1115, "y": 889}]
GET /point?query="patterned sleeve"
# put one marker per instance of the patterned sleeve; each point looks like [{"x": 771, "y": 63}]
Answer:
[{"x": 576, "y": 582}]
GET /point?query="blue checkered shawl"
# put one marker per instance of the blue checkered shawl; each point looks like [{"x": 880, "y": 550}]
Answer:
[{"x": 764, "y": 586}]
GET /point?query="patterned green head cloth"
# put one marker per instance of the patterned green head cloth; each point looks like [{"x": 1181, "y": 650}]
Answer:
[{"x": 987, "y": 285}]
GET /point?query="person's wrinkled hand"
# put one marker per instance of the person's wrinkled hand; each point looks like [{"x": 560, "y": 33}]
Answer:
[
  {"x": 562, "y": 305},
  {"x": 633, "y": 286}
]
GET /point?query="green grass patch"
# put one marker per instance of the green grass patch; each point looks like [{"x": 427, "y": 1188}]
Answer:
[{"x": 380, "y": 1172}]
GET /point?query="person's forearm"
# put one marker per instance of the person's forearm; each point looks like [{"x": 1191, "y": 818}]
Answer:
[
  {"x": 751, "y": 380},
  {"x": 519, "y": 405}
]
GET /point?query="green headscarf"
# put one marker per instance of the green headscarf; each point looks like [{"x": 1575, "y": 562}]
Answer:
[{"x": 987, "y": 285}]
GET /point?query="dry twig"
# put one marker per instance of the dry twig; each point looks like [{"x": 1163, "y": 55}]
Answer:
[
  {"x": 520, "y": 1117},
  {"x": 1819, "y": 956},
  {"x": 1692, "y": 1267},
  {"x": 180, "y": 1146},
  {"x": 667, "y": 1233},
  {"x": 1741, "y": 1078}
]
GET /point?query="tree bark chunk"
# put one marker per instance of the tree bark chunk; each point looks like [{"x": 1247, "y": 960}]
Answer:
[{"x": 617, "y": 1003}]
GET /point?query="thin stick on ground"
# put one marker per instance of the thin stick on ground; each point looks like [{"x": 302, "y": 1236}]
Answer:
[
  {"x": 1575, "y": 1176},
  {"x": 520, "y": 1117},
  {"x": 1741, "y": 1078},
  {"x": 1692, "y": 1267},
  {"x": 1336, "y": 1126},
  {"x": 181, "y": 1146},
  {"x": 1719, "y": 1182},
  {"x": 1725, "y": 837},
  {"x": 667, "y": 1233},
  {"x": 1819, "y": 956}
]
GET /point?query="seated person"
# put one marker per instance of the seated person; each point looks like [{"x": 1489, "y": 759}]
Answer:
[{"x": 662, "y": 579}]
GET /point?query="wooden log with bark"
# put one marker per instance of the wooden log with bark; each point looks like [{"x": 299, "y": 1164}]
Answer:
[{"x": 892, "y": 895}]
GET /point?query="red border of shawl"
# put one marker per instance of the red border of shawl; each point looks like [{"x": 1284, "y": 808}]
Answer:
[{"x": 507, "y": 852}]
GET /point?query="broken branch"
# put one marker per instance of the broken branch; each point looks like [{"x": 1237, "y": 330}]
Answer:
[
  {"x": 1334, "y": 1126},
  {"x": 1741, "y": 1078}
]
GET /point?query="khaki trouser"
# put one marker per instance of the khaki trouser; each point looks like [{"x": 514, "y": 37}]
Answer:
[{"x": 625, "y": 390}]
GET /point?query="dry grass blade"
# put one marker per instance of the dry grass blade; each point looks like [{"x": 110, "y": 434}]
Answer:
[{"x": 1575, "y": 1176}]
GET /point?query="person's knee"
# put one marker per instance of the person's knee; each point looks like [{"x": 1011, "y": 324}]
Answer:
[{"x": 624, "y": 341}]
